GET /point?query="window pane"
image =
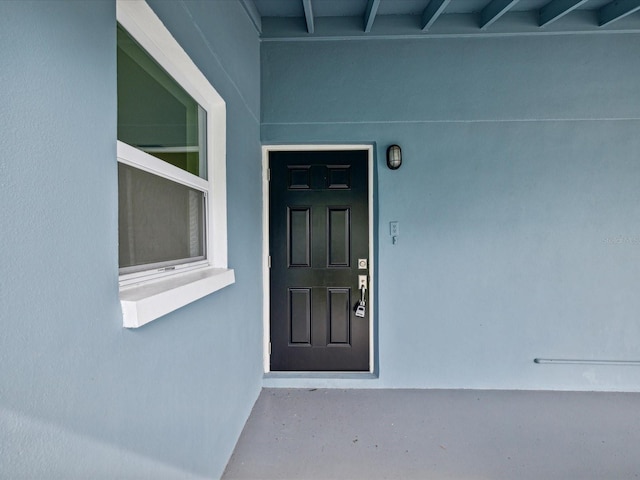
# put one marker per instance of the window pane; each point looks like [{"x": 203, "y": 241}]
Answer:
[
  {"x": 155, "y": 114},
  {"x": 160, "y": 221}
]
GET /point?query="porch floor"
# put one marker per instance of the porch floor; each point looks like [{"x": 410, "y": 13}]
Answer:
[{"x": 439, "y": 434}]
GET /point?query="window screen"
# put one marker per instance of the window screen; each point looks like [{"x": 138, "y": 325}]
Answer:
[{"x": 161, "y": 222}]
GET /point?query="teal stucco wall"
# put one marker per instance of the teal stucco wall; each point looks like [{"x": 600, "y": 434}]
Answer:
[
  {"x": 518, "y": 198},
  {"x": 81, "y": 397}
]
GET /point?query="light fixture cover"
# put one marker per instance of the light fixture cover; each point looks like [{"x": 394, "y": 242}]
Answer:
[{"x": 394, "y": 157}]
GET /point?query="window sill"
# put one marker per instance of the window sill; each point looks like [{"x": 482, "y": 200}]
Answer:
[{"x": 142, "y": 304}]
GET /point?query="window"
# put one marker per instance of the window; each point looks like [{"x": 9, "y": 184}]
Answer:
[
  {"x": 171, "y": 172},
  {"x": 162, "y": 217}
]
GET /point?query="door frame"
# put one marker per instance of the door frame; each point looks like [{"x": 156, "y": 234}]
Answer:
[{"x": 266, "y": 289}]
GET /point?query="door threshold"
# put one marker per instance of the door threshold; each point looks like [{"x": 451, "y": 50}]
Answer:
[
  {"x": 320, "y": 375},
  {"x": 318, "y": 379}
]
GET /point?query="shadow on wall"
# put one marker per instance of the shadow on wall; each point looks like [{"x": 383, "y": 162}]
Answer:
[{"x": 93, "y": 458}]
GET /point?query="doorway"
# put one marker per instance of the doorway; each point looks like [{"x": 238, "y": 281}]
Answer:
[{"x": 319, "y": 257}]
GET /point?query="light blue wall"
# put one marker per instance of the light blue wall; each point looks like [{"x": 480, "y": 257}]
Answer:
[
  {"x": 518, "y": 200},
  {"x": 81, "y": 397}
]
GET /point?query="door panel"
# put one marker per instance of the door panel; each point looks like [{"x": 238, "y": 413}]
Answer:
[
  {"x": 318, "y": 224},
  {"x": 339, "y": 233},
  {"x": 339, "y": 315},
  {"x": 299, "y": 236},
  {"x": 300, "y": 316}
]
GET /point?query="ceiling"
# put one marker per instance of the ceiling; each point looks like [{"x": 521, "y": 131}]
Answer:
[{"x": 342, "y": 19}]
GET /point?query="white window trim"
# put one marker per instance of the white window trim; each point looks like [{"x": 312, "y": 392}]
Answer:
[{"x": 152, "y": 297}]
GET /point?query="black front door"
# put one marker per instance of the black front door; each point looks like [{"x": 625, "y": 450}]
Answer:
[{"x": 318, "y": 233}]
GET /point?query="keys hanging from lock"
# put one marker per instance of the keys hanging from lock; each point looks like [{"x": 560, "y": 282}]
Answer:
[{"x": 361, "y": 308}]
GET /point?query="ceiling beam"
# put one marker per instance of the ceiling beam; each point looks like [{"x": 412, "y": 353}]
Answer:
[
  {"x": 308, "y": 15},
  {"x": 493, "y": 11},
  {"x": 432, "y": 12},
  {"x": 556, "y": 9},
  {"x": 370, "y": 14},
  {"x": 616, "y": 10},
  {"x": 253, "y": 13},
  {"x": 459, "y": 25}
]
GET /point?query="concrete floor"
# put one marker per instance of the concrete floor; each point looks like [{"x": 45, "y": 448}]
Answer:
[{"x": 439, "y": 434}]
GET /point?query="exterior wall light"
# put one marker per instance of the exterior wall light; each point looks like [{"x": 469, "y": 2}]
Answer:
[{"x": 394, "y": 157}]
